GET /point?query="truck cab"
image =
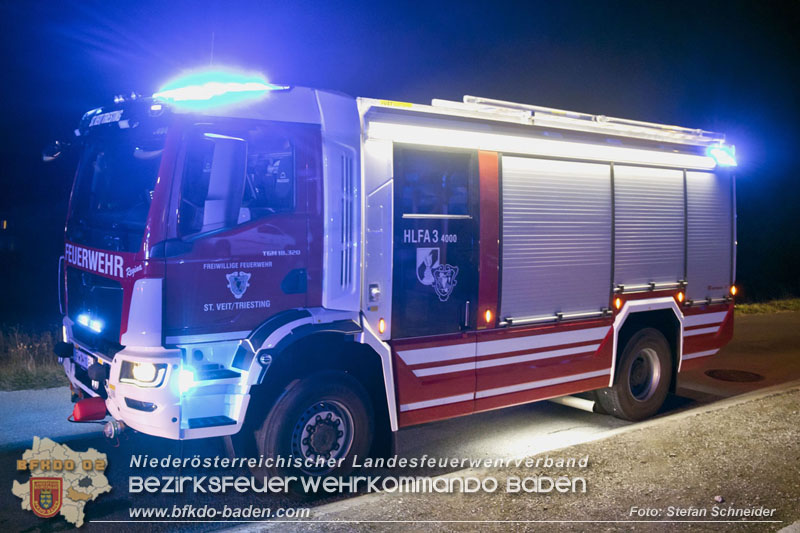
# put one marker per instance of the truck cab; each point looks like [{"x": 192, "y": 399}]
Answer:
[{"x": 190, "y": 228}]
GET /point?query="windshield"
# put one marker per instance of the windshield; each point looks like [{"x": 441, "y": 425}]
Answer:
[{"x": 114, "y": 187}]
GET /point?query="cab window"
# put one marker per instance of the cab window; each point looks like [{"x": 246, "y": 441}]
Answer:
[
  {"x": 234, "y": 177},
  {"x": 269, "y": 179}
]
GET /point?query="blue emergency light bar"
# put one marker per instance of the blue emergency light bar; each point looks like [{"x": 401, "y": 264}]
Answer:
[
  {"x": 207, "y": 89},
  {"x": 725, "y": 156}
]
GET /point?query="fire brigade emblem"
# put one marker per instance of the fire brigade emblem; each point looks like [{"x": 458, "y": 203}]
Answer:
[
  {"x": 444, "y": 281},
  {"x": 74, "y": 480},
  {"x": 427, "y": 261},
  {"x": 46, "y": 496},
  {"x": 238, "y": 283}
]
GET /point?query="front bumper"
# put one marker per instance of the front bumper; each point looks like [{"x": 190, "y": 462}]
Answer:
[{"x": 213, "y": 407}]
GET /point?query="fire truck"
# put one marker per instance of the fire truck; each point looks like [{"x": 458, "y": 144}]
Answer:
[{"x": 304, "y": 273}]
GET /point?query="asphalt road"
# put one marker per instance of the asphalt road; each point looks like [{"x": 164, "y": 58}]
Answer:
[{"x": 768, "y": 345}]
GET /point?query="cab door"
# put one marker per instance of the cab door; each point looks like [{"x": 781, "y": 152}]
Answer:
[
  {"x": 435, "y": 281},
  {"x": 241, "y": 253}
]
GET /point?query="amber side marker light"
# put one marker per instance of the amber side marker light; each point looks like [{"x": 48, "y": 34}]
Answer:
[
  {"x": 381, "y": 326},
  {"x": 680, "y": 297},
  {"x": 733, "y": 290},
  {"x": 617, "y": 303},
  {"x": 488, "y": 316}
]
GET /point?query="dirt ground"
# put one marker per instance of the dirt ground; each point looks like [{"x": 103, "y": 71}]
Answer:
[{"x": 744, "y": 454}]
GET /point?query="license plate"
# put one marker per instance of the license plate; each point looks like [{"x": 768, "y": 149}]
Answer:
[
  {"x": 83, "y": 359},
  {"x": 105, "y": 118}
]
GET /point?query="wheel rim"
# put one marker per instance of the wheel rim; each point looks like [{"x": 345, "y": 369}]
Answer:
[
  {"x": 644, "y": 374},
  {"x": 324, "y": 430}
]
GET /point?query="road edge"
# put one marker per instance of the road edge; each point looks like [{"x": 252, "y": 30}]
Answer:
[{"x": 343, "y": 505}]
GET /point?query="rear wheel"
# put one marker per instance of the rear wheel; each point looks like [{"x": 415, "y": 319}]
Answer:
[
  {"x": 642, "y": 378},
  {"x": 323, "y": 420}
]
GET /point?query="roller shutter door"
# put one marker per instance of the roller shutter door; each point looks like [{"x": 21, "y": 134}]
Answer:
[
  {"x": 556, "y": 237},
  {"x": 710, "y": 235},
  {"x": 649, "y": 226}
]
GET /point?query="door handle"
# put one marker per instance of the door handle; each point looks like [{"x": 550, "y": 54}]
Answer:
[{"x": 466, "y": 315}]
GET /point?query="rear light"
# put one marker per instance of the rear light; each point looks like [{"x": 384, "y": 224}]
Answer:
[
  {"x": 733, "y": 290},
  {"x": 681, "y": 297},
  {"x": 381, "y": 326},
  {"x": 617, "y": 303},
  {"x": 488, "y": 316}
]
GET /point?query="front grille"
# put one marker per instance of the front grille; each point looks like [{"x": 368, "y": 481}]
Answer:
[{"x": 100, "y": 298}]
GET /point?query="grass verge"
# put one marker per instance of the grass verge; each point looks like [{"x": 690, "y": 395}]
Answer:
[
  {"x": 27, "y": 360},
  {"x": 772, "y": 306}
]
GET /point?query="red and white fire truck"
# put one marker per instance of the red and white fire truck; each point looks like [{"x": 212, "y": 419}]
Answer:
[{"x": 309, "y": 272}]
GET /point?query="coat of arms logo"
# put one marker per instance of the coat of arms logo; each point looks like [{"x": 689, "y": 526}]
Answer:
[
  {"x": 46, "y": 495},
  {"x": 444, "y": 278},
  {"x": 238, "y": 282},
  {"x": 431, "y": 272}
]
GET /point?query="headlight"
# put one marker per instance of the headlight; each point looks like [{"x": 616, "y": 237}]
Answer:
[
  {"x": 145, "y": 372},
  {"x": 142, "y": 374}
]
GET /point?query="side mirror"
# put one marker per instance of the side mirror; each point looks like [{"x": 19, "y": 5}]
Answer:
[{"x": 53, "y": 151}]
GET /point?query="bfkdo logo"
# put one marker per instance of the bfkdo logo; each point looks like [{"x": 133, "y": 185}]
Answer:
[
  {"x": 46, "y": 495},
  {"x": 62, "y": 481}
]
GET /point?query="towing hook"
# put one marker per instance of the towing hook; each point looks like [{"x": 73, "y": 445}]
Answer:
[{"x": 114, "y": 428}]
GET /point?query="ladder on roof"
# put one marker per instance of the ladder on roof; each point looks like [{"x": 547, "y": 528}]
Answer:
[{"x": 559, "y": 118}]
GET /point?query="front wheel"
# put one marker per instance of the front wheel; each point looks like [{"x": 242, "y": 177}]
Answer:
[
  {"x": 320, "y": 422},
  {"x": 642, "y": 378}
]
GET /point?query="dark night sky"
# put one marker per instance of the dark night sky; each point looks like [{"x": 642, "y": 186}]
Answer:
[{"x": 725, "y": 66}]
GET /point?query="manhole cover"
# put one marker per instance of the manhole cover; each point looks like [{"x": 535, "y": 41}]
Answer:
[{"x": 742, "y": 376}]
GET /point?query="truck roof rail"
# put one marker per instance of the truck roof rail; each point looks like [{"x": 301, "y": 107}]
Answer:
[{"x": 572, "y": 120}]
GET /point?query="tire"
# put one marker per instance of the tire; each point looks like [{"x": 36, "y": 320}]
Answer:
[
  {"x": 598, "y": 407},
  {"x": 325, "y": 415},
  {"x": 642, "y": 378}
]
